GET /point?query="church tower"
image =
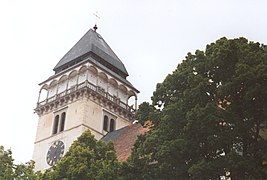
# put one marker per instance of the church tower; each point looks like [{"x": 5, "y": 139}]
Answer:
[{"x": 89, "y": 91}]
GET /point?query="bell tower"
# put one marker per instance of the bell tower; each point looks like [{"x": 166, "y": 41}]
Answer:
[{"x": 89, "y": 90}]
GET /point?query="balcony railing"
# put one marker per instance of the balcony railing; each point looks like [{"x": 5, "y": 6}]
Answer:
[{"x": 87, "y": 85}]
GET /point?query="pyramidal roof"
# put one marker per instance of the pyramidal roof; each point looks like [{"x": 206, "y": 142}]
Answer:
[{"x": 92, "y": 45}]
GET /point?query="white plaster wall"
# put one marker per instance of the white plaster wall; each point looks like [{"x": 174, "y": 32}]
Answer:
[
  {"x": 52, "y": 91},
  {"x": 72, "y": 81},
  {"x": 102, "y": 83},
  {"x": 121, "y": 122},
  {"x": 82, "y": 77},
  {"x": 44, "y": 127},
  {"x": 43, "y": 95},
  {"x": 122, "y": 96},
  {"x": 74, "y": 114},
  {"x": 74, "y": 117},
  {"x": 92, "y": 78},
  {"x": 93, "y": 115},
  {"x": 112, "y": 90},
  {"x": 62, "y": 86}
]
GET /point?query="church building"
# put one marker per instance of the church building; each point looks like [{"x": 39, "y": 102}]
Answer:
[{"x": 89, "y": 91}]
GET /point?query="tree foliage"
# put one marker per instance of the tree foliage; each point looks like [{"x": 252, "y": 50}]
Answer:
[
  {"x": 143, "y": 114},
  {"x": 87, "y": 158},
  {"x": 209, "y": 117},
  {"x": 6, "y": 164},
  {"x": 11, "y": 171}
]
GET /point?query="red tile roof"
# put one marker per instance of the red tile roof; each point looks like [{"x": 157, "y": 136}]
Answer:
[{"x": 124, "y": 139}]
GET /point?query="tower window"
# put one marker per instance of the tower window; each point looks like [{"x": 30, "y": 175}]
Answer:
[
  {"x": 112, "y": 125},
  {"x": 59, "y": 122},
  {"x": 105, "y": 125},
  {"x": 109, "y": 124},
  {"x": 62, "y": 121},
  {"x": 55, "y": 126}
]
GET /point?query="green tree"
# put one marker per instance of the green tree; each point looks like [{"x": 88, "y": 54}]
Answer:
[
  {"x": 143, "y": 114},
  {"x": 6, "y": 164},
  {"x": 87, "y": 158},
  {"x": 11, "y": 171},
  {"x": 209, "y": 116},
  {"x": 26, "y": 171}
]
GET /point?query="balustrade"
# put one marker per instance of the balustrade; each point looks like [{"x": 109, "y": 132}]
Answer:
[
  {"x": 123, "y": 105},
  {"x": 51, "y": 99},
  {"x": 92, "y": 87}
]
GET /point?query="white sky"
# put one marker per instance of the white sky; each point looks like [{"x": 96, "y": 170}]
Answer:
[{"x": 150, "y": 36}]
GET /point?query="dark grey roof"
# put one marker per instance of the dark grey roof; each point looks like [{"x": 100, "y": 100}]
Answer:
[
  {"x": 92, "y": 44},
  {"x": 124, "y": 80},
  {"x": 111, "y": 136}
]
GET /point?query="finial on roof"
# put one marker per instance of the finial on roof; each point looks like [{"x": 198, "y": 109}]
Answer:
[
  {"x": 96, "y": 18},
  {"x": 95, "y": 27}
]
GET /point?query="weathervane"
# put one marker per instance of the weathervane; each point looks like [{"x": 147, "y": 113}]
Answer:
[{"x": 96, "y": 19}]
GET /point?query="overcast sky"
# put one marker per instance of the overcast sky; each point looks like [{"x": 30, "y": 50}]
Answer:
[{"x": 150, "y": 37}]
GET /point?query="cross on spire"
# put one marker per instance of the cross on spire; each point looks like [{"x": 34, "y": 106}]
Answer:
[{"x": 96, "y": 19}]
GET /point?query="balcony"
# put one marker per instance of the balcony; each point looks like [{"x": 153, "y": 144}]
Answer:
[{"x": 95, "y": 91}]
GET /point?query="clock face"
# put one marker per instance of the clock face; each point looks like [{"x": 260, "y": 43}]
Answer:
[{"x": 55, "y": 152}]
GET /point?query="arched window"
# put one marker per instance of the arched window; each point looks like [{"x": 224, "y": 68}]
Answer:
[
  {"x": 59, "y": 122},
  {"x": 112, "y": 125},
  {"x": 55, "y": 124},
  {"x": 62, "y": 121},
  {"x": 105, "y": 125}
]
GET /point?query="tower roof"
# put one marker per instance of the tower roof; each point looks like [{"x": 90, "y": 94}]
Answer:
[{"x": 92, "y": 45}]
